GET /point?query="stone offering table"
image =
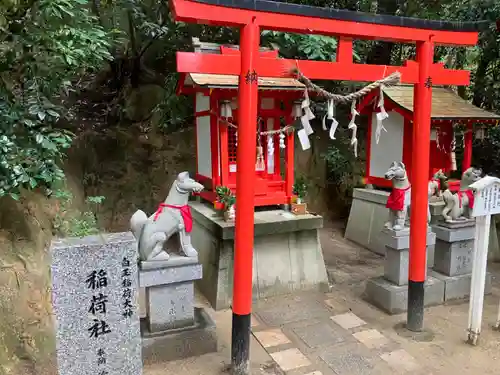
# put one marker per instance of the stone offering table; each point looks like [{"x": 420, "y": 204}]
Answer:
[
  {"x": 287, "y": 253},
  {"x": 453, "y": 258},
  {"x": 390, "y": 292},
  {"x": 173, "y": 328}
]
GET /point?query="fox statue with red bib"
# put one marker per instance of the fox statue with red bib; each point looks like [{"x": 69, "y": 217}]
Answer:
[
  {"x": 172, "y": 216},
  {"x": 399, "y": 201},
  {"x": 458, "y": 206}
]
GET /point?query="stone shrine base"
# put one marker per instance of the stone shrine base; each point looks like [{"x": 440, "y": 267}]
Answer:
[
  {"x": 287, "y": 254},
  {"x": 458, "y": 287},
  {"x": 199, "y": 339},
  {"x": 393, "y": 298}
]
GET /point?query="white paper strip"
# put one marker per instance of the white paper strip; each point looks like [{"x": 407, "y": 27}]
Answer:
[
  {"x": 270, "y": 145},
  {"x": 329, "y": 113},
  {"x": 309, "y": 113},
  {"x": 381, "y": 116},
  {"x": 333, "y": 128},
  {"x": 352, "y": 126},
  {"x": 304, "y": 139},
  {"x": 307, "y": 126},
  {"x": 282, "y": 141}
]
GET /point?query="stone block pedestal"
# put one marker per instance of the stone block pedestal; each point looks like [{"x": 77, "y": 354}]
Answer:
[
  {"x": 172, "y": 327},
  {"x": 458, "y": 287},
  {"x": 453, "y": 259},
  {"x": 393, "y": 298},
  {"x": 390, "y": 292},
  {"x": 397, "y": 254}
]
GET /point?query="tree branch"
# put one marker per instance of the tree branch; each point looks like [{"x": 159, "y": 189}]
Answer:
[{"x": 96, "y": 8}]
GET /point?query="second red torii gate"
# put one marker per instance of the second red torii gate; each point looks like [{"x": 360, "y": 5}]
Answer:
[{"x": 252, "y": 16}]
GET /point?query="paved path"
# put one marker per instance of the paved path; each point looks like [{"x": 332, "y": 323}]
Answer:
[
  {"x": 339, "y": 333},
  {"x": 314, "y": 334}
]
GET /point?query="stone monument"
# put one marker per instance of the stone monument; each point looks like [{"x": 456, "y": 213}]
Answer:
[
  {"x": 390, "y": 292},
  {"x": 168, "y": 267},
  {"x": 454, "y": 252},
  {"x": 94, "y": 295}
]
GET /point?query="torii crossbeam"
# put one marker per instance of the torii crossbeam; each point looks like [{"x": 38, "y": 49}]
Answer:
[{"x": 253, "y": 16}]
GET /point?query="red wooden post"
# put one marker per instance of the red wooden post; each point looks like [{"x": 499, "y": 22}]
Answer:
[
  {"x": 245, "y": 183},
  {"x": 419, "y": 180},
  {"x": 344, "y": 50},
  {"x": 467, "y": 161}
]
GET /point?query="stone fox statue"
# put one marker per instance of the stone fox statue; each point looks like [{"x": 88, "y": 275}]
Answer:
[
  {"x": 437, "y": 184},
  {"x": 399, "y": 200},
  {"x": 459, "y": 206},
  {"x": 173, "y": 216}
]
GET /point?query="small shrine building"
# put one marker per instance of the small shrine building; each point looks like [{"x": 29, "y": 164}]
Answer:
[
  {"x": 216, "y": 113},
  {"x": 453, "y": 120},
  {"x": 394, "y": 143}
]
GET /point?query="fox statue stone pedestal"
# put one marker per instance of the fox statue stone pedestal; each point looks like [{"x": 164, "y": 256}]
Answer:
[
  {"x": 456, "y": 234},
  {"x": 390, "y": 292},
  {"x": 173, "y": 327}
]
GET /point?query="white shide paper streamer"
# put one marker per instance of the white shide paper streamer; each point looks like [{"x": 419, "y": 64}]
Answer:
[
  {"x": 352, "y": 126},
  {"x": 381, "y": 116}
]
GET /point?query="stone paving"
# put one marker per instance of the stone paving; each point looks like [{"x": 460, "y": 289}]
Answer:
[
  {"x": 307, "y": 335},
  {"x": 340, "y": 333}
]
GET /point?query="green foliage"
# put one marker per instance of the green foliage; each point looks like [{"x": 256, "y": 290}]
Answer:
[
  {"x": 344, "y": 171},
  {"x": 485, "y": 152},
  {"x": 313, "y": 47},
  {"x": 300, "y": 187},
  {"x": 225, "y": 196},
  {"x": 68, "y": 223},
  {"x": 44, "y": 45}
]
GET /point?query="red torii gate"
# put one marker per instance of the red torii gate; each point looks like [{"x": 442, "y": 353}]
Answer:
[{"x": 252, "y": 16}]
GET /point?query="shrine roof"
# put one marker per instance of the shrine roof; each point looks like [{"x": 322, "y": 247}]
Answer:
[
  {"x": 445, "y": 104},
  {"x": 231, "y": 82},
  {"x": 224, "y": 81}
]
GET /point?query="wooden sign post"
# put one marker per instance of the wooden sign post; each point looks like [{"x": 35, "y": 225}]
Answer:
[{"x": 486, "y": 203}]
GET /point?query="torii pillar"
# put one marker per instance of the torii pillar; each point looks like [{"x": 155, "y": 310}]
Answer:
[{"x": 419, "y": 185}]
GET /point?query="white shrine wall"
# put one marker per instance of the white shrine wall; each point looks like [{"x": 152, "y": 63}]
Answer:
[
  {"x": 390, "y": 146},
  {"x": 203, "y": 139}
]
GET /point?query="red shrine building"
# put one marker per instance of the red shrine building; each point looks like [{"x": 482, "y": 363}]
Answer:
[
  {"x": 449, "y": 111},
  {"x": 216, "y": 122}
]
